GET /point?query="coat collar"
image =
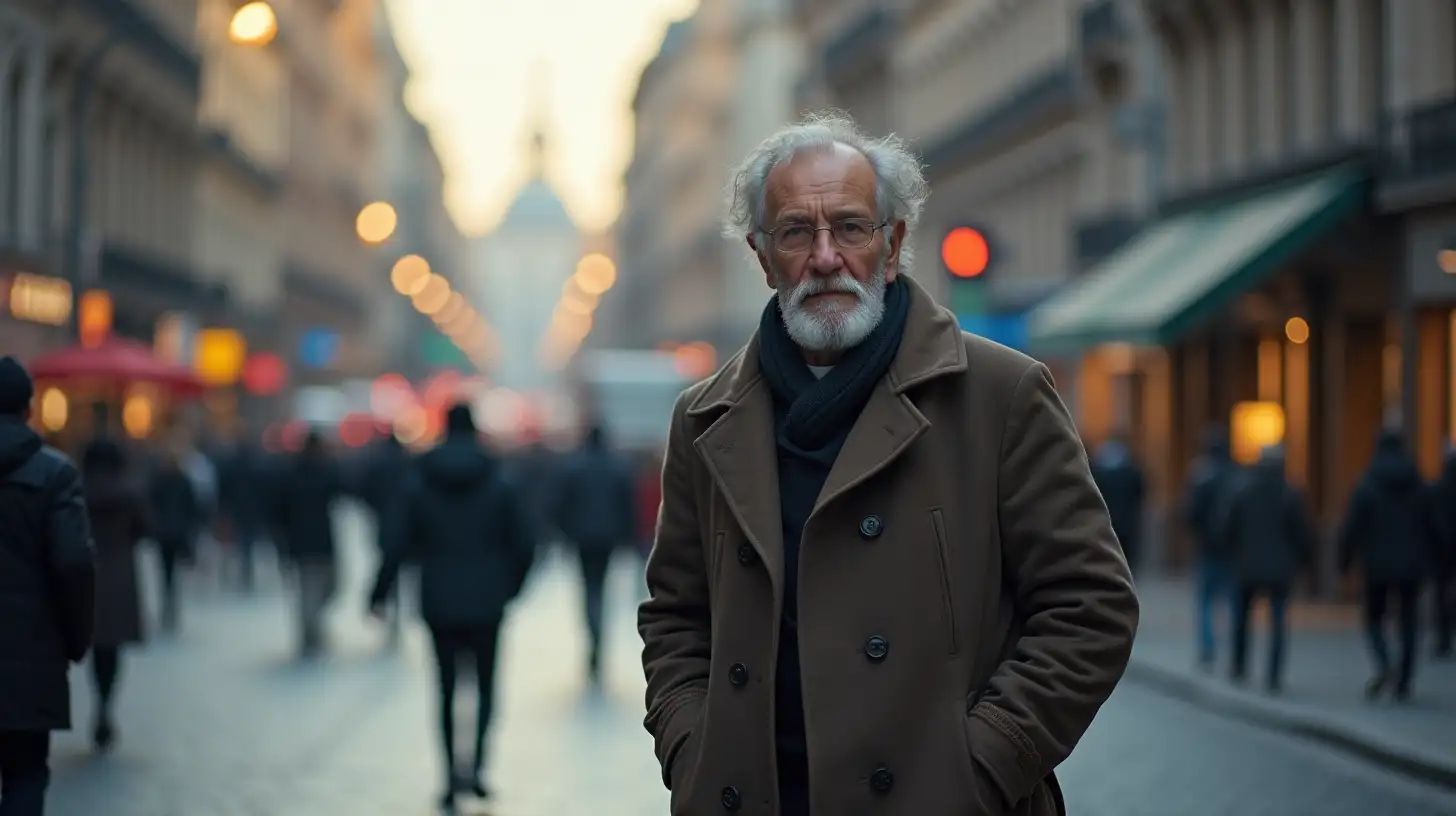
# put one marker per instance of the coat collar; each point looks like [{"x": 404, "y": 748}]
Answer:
[{"x": 739, "y": 448}]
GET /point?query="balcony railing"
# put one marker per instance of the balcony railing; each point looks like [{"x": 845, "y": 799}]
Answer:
[{"x": 1420, "y": 143}]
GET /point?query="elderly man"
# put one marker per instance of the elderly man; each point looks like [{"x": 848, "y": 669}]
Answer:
[{"x": 884, "y": 580}]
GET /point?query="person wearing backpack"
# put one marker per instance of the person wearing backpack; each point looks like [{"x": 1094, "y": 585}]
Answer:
[
  {"x": 47, "y": 595},
  {"x": 464, "y": 523}
]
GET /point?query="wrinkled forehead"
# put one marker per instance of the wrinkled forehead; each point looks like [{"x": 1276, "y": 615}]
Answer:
[{"x": 837, "y": 181}]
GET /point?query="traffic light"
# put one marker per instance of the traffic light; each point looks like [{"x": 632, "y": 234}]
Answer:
[{"x": 965, "y": 252}]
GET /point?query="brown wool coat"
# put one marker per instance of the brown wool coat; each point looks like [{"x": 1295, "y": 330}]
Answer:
[{"x": 990, "y": 572}]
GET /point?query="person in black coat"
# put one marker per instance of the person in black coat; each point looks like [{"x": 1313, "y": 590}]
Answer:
[
  {"x": 464, "y": 523},
  {"x": 385, "y": 473},
  {"x": 1390, "y": 532},
  {"x": 597, "y": 514},
  {"x": 1120, "y": 480},
  {"x": 120, "y": 518},
  {"x": 47, "y": 595},
  {"x": 1270, "y": 539},
  {"x": 304, "y": 529},
  {"x": 1210, "y": 482}
]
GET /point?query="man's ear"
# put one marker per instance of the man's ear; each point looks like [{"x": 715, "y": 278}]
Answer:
[{"x": 892, "y": 258}]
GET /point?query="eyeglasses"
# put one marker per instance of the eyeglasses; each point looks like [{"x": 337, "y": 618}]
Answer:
[{"x": 848, "y": 233}]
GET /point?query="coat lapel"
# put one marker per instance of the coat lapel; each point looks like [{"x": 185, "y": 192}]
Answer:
[
  {"x": 885, "y": 428},
  {"x": 738, "y": 450}
]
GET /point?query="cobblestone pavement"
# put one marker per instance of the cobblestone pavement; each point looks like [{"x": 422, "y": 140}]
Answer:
[{"x": 221, "y": 722}]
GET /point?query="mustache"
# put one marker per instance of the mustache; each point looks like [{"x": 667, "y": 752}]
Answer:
[{"x": 839, "y": 284}]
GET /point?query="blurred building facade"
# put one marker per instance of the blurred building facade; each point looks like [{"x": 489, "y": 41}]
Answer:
[
  {"x": 518, "y": 271},
  {"x": 414, "y": 181},
  {"x": 1263, "y": 296},
  {"x": 723, "y": 80},
  {"x": 243, "y": 128},
  {"x": 27, "y": 245},
  {"x": 1417, "y": 186},
  {"x": 334, "y": 282}
]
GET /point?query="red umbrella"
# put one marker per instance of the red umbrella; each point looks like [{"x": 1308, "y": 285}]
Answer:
[{"x": 116, "y": 363}]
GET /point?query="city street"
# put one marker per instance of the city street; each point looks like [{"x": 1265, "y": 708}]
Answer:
[{"x": 220, "y": 722}]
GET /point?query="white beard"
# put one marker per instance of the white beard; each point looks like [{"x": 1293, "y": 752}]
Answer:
[{"x": 834, "y": 329}]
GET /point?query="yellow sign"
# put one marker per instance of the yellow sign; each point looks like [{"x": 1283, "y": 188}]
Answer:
[
  {"x": 1254, "y": 426},
  {"x": 40, "y": 299},
  {"x": 94, "y": 318},
  {"x": 219, "y": 356}
]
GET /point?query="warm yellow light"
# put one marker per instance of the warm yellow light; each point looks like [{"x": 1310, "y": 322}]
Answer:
[
  {"x": 376, "y": 222},
  {"x": 219, "y": 356},
  {"x": 433, "y": 295},
  {"x": 1255, "y": 426},
  {"x": 1297, "y": 330},
  {"x": 40, "y": 299},
  {"x": 254, "y": 24},
  {"x": 55, "y": 409},
  {"x": 454, "y": 308},
  {"x": 595, "y": 273},
  {"x": 409, "y": 275},
  {"x": 136, "y": 416}
]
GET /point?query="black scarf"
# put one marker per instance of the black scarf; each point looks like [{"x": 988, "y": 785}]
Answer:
[{"x": 822, "y": 410}]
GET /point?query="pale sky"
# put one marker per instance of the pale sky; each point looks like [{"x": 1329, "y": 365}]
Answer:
[{"x": 474, "y": 63}]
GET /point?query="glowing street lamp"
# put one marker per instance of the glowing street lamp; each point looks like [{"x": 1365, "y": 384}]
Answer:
[
  {"x": 376, "y": 222},
  {"x": 255, "y": 24}
]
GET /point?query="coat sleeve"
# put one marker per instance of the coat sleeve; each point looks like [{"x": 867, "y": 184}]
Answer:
[
  {"x": 72, "y": 561},
  {"x": 674, "y": 621},
  {"x": 1072, "y": 590}
]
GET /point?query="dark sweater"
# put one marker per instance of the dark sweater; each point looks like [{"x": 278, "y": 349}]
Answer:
[{"x": 801, "y": 478}]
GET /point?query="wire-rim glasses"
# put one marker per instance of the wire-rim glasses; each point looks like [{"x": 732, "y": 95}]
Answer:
[{"x": 847, "y": 233}]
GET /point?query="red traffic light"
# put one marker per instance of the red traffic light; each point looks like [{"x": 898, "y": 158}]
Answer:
[{"x": 965, "y": 252}]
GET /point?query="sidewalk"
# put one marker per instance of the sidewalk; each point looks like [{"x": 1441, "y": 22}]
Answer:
[{"x": 1327, "y": 664}]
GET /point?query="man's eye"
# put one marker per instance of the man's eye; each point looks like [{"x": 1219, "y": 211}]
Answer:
[
  {"x": 795, "y": 231},
  {"x": 853, "y": 228}
]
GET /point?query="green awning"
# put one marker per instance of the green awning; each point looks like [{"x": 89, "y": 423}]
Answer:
[{"x": 1183, "y": 269}]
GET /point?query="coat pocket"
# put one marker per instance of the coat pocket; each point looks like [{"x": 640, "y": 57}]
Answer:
[{"x": 942, "y": 552}]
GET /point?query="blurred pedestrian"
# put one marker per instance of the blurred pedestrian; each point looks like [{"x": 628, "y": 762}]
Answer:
[
  {"x": 178, "y": 517},
  {"x": 119, "y": 516},
  {"x": 1271, "y": 538},
  {"x": 881, "y": 563},
  {"x": 1120, "y": 480},
  {"x": 463, "y": 522},
  {"x": 242, "y": 488},
  {"x": 537, "y": 471},
  {"x": 47, "y": 592},
  {"x": 1209, "y": 483},
  {"x": 1443, "y": 503},
  {"x": 386, "y": 471},
  {"x": 304, "y": 529},
  {"x": 597, "y": 514},
  {"x": 1390, "y": 533}
]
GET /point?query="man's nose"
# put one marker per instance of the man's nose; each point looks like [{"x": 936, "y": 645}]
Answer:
[{"x": 824, "y": 255}]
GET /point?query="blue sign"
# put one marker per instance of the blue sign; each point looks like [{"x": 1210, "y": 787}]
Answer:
[
  {"x": 319, "y": 348},
  {"x": 1006, "y": 329}
]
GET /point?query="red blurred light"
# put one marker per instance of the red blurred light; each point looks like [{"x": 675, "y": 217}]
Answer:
[
  {"x": 264, "y": 374},
  {"x": 356, "y": 430},
  {"x": 293, "y": 435},
  {"x": 965, "y": 252}
]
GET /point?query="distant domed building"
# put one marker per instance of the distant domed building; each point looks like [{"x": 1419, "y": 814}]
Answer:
[{"x": 520, "y": 269}]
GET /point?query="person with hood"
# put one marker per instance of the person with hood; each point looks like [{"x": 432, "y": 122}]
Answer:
[
  {"x": 304, "y": 524},
  {"x": 47, "y": 594},
  {"x": 1121, "y": 482},
  {"x": 1212, "y": 478},
  {"x": 178, "y": 515},
  {"x": 1270, "y": 538},
  {"x": 1390, "y": 532},
  {"x": 1443, "y": 503},
  {"x": 597, "y": 514},
  {"x": 464, "y": 523},
  {"x": 119, "y": 518}
]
